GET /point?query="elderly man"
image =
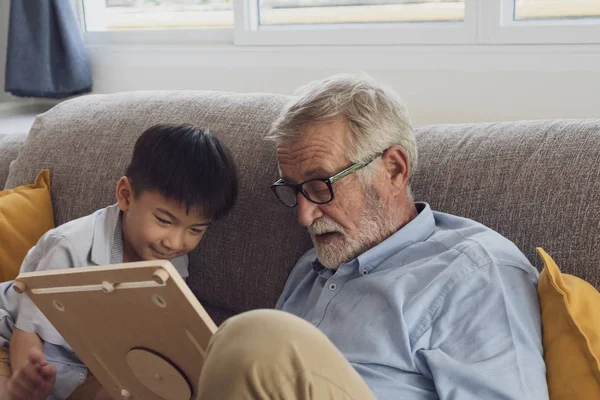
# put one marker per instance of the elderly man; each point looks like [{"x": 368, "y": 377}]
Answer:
[{"x": 408, "y": 303}]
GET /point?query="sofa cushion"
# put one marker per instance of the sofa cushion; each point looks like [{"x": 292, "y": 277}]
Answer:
[
  {"x": 535, "y": 182},
  {"x": 87, "y": 143},
  {"x": 571, "y": 324},
  {"x": 9, "y": 148},
  {"x": 26, "y": 215}
]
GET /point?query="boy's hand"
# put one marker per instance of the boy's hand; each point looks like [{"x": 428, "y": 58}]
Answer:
[{"x": 34, "y": 380}]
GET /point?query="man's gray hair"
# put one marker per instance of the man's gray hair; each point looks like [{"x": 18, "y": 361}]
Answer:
[{"x": 375, "y": 114}]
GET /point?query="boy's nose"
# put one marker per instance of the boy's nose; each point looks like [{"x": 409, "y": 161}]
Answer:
[{"x": 174, "y": 242}]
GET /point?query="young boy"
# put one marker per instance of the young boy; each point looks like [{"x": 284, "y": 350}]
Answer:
[{"x": 180, "y": 179}]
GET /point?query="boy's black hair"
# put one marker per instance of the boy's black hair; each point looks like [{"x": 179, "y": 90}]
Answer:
[{"x": 185, "y": 164}]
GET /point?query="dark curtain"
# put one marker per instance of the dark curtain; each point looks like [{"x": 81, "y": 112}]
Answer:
[{"x": 46, "y": 56}]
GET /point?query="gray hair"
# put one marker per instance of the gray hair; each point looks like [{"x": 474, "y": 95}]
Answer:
[{"x": 376, "y": 115}]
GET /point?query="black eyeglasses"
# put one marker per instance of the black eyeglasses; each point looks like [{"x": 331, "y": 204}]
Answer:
[{"x": 319, "y": 191}]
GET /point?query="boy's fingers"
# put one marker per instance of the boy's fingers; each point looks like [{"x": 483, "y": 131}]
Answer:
[
  {"x": 36, "y": 357},
  {"x": 26, "y": 378},
  {"x": 32, "y": 382},
  {"x": 32, "y": 372},
  {"x": 48, "y": 372},
  {"x": 29, "y": 379}
]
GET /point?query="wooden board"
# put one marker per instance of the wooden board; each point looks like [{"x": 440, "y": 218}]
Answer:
[{"x": 105, "y": 312}]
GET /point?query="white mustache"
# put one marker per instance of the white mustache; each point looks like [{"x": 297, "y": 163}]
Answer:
[{"x": 325, "y": 225}]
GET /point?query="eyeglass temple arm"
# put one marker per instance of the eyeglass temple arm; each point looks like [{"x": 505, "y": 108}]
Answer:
[{"x": 353, "y": 168}]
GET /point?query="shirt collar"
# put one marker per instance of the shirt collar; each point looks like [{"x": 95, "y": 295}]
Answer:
[
  {"x": 107, "y": 220},
  {"x": 116, "y": 248},
  {"x": 322, "y": 271},
  {"x": 317, "y": 266}
]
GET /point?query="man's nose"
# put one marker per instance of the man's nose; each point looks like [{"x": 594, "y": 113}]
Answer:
[{"x": 308, "y": 211}]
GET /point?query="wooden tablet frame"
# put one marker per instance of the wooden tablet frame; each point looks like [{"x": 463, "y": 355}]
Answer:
[{"x": 137, "y": 326}]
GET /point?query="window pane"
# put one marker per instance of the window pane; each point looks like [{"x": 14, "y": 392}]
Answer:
[
  {"x": 294, "y": 12},
  {"x": 157, "y": 14},
  {"x": 556, "y": 9}
]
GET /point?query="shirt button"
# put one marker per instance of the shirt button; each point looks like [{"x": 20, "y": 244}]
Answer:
[
  {"x": 332, "y": 286},
  {"x": 81, "y": 376},
  {"x": 364, "y": 272}
]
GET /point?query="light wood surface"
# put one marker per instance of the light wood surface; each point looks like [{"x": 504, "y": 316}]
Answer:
[
  {"x": 159, "y": 375},
  {"x": 105, "y": 312}
]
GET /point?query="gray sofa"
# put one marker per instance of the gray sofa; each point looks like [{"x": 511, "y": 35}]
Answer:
[{"x": 536, "y": 182}]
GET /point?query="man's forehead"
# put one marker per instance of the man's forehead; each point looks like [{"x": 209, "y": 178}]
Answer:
[
  {"x": 317, "y": 152},
  {"x": 313, "y": 144}
]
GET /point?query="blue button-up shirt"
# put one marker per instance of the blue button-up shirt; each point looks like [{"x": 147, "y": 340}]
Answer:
[{"x": 443, "y": 309}]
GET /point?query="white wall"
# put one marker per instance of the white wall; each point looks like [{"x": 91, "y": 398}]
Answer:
[{"x": 439, "y": 84}]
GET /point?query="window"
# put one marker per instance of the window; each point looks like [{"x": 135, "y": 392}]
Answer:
[
  {"x": 556, "y": 9},
  {"x": 344, "y": 22},
  {"x": 354, "y": 22},
  {"x": 109, "y": 15},
  {"x": 302, "y": 12},
  {"x": 541, "y": 21}
]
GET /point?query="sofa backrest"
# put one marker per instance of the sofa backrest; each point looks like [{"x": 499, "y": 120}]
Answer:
[
  {"x": 535, "y": 182},
  {"x": 538, "y": 183},
  {"x": 9, "y": 147}
]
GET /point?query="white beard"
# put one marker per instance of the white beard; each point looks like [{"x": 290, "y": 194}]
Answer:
[{"x": 376, "y": 224}]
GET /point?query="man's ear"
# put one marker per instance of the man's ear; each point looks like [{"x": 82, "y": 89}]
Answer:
[
  {"x": 124, "y": 193},
  {"x": 395, "y": 161}
]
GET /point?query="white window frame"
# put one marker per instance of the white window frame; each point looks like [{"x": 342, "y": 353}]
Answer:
[
  {"x": 162, "y": 37},
  {"x": 486, "y": 22},
  {"x": 498, "y": 26}
]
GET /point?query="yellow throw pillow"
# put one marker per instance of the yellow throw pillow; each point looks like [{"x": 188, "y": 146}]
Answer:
[
  {"x": 25, "y": 215},
  {"x": 571, "y": 333}
]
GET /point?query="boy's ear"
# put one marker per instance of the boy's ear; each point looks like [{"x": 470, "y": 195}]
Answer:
[{"x": 124, "y": 193}]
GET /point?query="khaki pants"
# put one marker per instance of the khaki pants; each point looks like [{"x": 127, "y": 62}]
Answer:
[
  {"x": 263, "y": 355},
  {"x": 86, "y": 391},
  {"x": 272, "y": 355}
]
